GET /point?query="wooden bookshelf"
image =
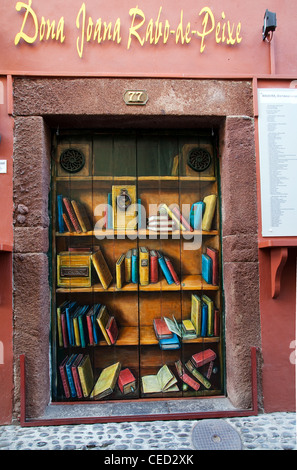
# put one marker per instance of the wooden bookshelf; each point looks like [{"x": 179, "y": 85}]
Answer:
[{"x": 135, "y": 306}]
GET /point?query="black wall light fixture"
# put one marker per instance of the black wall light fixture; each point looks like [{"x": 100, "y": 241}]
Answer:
[{"x": 269, "y": 25}]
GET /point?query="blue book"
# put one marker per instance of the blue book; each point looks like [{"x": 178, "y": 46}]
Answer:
[
  {"x": 61, "y": 225},
  {"x": 170, "y": 343},
  {"x": 134, "y": 266},
  {"x": 207, "y": 268},
  {"x": 196, "y": 214},
  {"x": 109, "y": 211},
  {"x": 69, "y": 374},
  {"x": 165, "y": 269},
  {"x": 204, "y": 319},
  {"x": 69, "y": 313},
  {"x": 82, "y": 325}
]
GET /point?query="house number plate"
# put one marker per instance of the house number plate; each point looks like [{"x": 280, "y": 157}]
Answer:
[{"x": 135, "y": 97}]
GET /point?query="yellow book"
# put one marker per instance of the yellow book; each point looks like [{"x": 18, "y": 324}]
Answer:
[
  {"x": 144, "y": 274},
  {"x": 120, "y": 271},
  {"x": 82, "y": 216},
  {"x": 106, "y": 381},
  {"x": 74, "y": 269},
  {"x": 102, "y": 268},
  {"x": 188, "y": 326},
  {"x": 164, "y": 381},
  {"x": 76, "y": 331},
  {"x": 128, "y": 266},
  {"x": 210, "y": 317},
  {"x": 124, "y": 203},
  {"x": 102, "y": 319},
  {"x": 86, "y": 376},
  {"x": 165, "y": 209},
  {"x": 196, "y": 313},
  {"x": 210, "y": 205},
  {"x": 59, "y": 323}
]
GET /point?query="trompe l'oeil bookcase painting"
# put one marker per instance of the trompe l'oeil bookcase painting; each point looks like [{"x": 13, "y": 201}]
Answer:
[{"x": 136, "y": 268}]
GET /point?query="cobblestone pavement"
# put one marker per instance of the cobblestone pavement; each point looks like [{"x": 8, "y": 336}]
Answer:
[{"x": 275, "y": 431}]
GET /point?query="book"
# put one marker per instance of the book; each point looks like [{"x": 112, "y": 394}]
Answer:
[
  {"x": 63, "y": 375},
  {"x": 188, "y": 327},
  {"x": 161, "y": 223},
  {"x": 216, "y": 323},
  {"x": 203, "y": 380},
  {"x": 170, "y": 343},
  {"x": 69, "y": 312},
  {"x": 206, "y": 268},
  {"x": 67, "y": 222},
  {"x": 109, "y": 211},
  {"x": 182, "y": 219},
  {"x": 204, "y": 319},
  {"x": 172, "y": 270},
  {"x": 213, "y": 253},
  {"x": 128, "y": 266},
  {"x": 196, "y": 214},
  {"x": 161, "y": 329},
  {"x": 126, "y": 381},
  {"x": 176, "y": 328},
  {"x": 196, "y": 313},
  {"x": 120, "y": 271},
  {"x": 102, "y": 319},
  {"x": 86, "y": 375},
  {"x": 203, "y": 357},
  {"x": 185, "y": 377},
  {"x": 210, "y": 205},
  {"x": 144, "y": 272},
  {"x": 112, "y": 329},
  {"x": 154, "y": 272},
  {"x": 165, "y": 269},
  {"x": 69, "y": 375},
  {"x": 163, "y": 208},
  {"x": 75, "y": 375},
  {"x": 61, "y": 225},
  {"x": 135, "y": 267},
  {"x": 82, "y": 326},
  {"x": 106, "y": 382},
  {"x": 60, "y": 311},
  {"x": 101, "y": 268},
  {"x": 82, "y": 216},
  {"x": 163, "y": 381},
  {"x": 71, "y": 214},
  {"x": 74, "y": 269},
  {"x": 210, "y": 314}
]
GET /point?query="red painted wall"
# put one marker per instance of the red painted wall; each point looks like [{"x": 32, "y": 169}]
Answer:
[{"x": 6, "y": 241}]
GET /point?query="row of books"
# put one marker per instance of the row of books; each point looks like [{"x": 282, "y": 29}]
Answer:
[
  {"x": 72, "y": 216},
  {"x": 85, "y": 325},
  {"x": 210, "y": 266},
  {"x": 78, "y": 379},
  {"x": 142, "y": 266}
]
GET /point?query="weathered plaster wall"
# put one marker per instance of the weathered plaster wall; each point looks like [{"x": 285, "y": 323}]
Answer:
[{"x": 40, "y": 104}]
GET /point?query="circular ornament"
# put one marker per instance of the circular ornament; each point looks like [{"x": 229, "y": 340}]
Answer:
[
  {"x": 124, "y": 200},
  {"x": 72, "y": 160},
  {"x": 199, "y": 159}
]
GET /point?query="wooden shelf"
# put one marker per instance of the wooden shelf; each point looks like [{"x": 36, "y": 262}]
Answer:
[
  {"x": 188, "y": 282},
  {"x": 137, "y": 233},
  {"x": 129, "y": 336}
]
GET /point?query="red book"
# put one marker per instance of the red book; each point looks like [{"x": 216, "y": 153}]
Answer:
[
  {"x": 172, "y": 270},
  {"x": 214, "y": 255},
  {"x": 112, "y": 329},
  {"x": 90, "y": 327},
  {"x": 64, "y": 377},
  {"x": 161, "y": 329},
  {"x": 126, "y": 381},
  {"x": 185, "y": 377},
  {"x": 216, "y": 326},
  {"x": 75, "y": 375},
  {"x": 64, "y": 330},
  {"x": 67, "y": 223},
  {"x": 72, "y": 215},
  {"x": 154, "y": 273},
  {"x": 185, "y": 223},
  {"x": 204, "y": 357}
]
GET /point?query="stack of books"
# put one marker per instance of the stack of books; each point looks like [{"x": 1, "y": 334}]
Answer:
[
  {"x": 77, "y": 376},
  {"x": 210, "y": 266},
  {"x": 167, "y": 339},
  {"x": 161, "y": 223}
]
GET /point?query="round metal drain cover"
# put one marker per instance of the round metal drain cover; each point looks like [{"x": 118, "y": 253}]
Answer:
[{"x": 211, "y": 434}]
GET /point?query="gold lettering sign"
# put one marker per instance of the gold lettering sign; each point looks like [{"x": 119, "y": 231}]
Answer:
[
  {"x": 141, "y": 31},
  {"x": 136, "y": 97}
]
